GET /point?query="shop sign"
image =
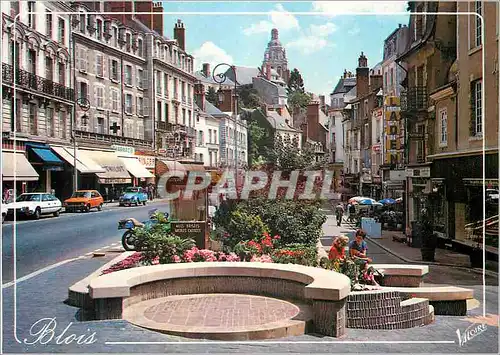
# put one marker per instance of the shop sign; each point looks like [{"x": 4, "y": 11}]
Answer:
[
  {"x": 194, "y": 230},
  {"x": 114, "y": 168},
  {"x": 121, "y": 148},
  {"x": 397, "y": 175},
  {"x": 421, "y": 172},
  {"x": 147, "y": 161},
  {"x": 416, "y": 136},
  {"x": 377, "y": 114},
  {"x": 114, "y": 181},
  {"x": 376, "y": 148}
]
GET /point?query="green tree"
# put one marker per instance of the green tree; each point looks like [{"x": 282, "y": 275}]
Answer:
[
  {"x": 212, "y": 96},
  {"x": 295, "y": 82},
  {"x": 257, "y": 139},
  {"x": 297, "y": 100},
  {"x": 248, "y": 97}
]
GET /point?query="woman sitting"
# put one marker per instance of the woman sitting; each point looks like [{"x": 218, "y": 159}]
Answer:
[
  {"x": 357, "y": 251},
  {"x": 337, "y": 251}
]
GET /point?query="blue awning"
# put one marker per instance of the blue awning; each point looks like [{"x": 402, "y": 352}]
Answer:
[{"x": 47, "y": 156}]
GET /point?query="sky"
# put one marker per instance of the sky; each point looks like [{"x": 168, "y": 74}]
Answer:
[{"x": 320, "y": 45}]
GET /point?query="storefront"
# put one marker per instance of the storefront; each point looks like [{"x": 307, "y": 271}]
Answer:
[
  {"x": 418, "y": 185},
  {"x": 115, "y": 178},
  {"x": 458, "y": 183},
  {"x": 17, "y": 172},
  {"x": 148, "y": 160},
  {"x": 47, "y": 165},
  {"x": 86, "y": 167},
  {"x": 139, "y": 172}
]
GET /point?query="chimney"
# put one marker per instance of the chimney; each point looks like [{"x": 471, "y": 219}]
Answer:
[
  {"x": 362, "y": 76},
  {"x": 268, "y": 71},
  {"x": 399, "y": 26},
  {"x": 150, "y": 14},
  {"x": 199, "y": 95},
  {"x": 322, "y": 100},
  {"x": 179, "y": 34},
  {"x": 345, "y": 74},
  {"x": 227, "y": 104},
  {"x": 206, "y": 70}
]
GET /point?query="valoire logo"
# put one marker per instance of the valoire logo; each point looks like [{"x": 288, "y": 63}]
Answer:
[{"x": 470, "y": 333}]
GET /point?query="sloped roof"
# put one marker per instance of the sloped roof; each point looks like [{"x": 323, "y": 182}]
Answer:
[
  {"x": 279, "y": 122},
  {"x": 323, "y": 120},
  {"x": 212, "y": 110},
  {"x": 344, "y": 85},
  {"x": 244, "y": 75},
  {"x": 210, "y": 80}
]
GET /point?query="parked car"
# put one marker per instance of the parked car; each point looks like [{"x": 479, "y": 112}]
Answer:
[
  {"x": 34, "y": 205},
  {"x": 133, "y": 195},
  {"x": 84, "y": 201}
]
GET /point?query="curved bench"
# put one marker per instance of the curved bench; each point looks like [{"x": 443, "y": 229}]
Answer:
[
  {"x": 446, "y": 300},
  {"x": 325, "y": 290},
  {"x": 402, "y": 275}
]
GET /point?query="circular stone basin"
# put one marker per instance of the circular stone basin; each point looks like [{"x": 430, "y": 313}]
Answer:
[{"x": 220, "y": 316}]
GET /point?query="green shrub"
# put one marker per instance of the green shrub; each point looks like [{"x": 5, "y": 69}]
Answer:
[
  {"x": 157, "y": 244},
  {"x": 296, "y": 254},
  {"x": 243, "y": 226}
]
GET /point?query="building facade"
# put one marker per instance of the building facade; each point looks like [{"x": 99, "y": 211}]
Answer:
[
  {"x": 432, "y": 45},
  {"x": 393, "y": 164},
  {"x": 465, "y": 117},
  {"x": 37, "y": 93}
]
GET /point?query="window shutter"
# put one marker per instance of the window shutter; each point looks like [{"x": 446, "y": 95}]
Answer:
[
  {"x": 145, "y": 79},
  {"x": 103, "y": 61},
  {"x": 110, "y": 68}
]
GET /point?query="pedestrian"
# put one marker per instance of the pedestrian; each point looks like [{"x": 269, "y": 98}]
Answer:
[
  {"x": 337, "y": 251},
  {"x": 153, "y": 190},
  {"x": 339, "y": 211}
]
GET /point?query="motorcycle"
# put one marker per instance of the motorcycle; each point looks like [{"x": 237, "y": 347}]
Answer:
[{"x": 132, "y": 224}]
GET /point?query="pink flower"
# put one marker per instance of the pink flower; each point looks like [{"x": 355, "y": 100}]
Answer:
[
  {"x": 177, "y": 259},
  {"x": 276, "y": 237},
  {"x": 156, "y": 261},
  {"x": 261, "y": 259}
]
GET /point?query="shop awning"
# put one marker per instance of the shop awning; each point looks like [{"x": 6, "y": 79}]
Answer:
[
  {"x": 84, "y": 164},
  {"x": 135, "y": 167},
  {"x": 194, "y": 167},
  {"x": 173, "y": 165},
  {"x": 21, "y": 168},
  {"x": 47, "y": 156},
  {"x": 115, "y": 170}
]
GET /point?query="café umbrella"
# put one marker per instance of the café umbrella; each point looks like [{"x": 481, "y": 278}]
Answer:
[
  {"x": 387, "y": 201},
  {"x": 369, "y": 202}
]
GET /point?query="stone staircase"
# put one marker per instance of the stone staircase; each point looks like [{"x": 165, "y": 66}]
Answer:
[{"x": 386, "y": 310}]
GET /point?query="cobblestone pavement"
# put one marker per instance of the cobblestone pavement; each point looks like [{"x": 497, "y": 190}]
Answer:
[{"x": 43, "y": 296}]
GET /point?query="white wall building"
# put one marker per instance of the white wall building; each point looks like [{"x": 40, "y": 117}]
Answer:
[
  {"x": 38, "y": 49},
  {"x": 207, "y": 139}
]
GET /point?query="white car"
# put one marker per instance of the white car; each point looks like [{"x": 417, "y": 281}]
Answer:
[{"x": 35, "y": 204}]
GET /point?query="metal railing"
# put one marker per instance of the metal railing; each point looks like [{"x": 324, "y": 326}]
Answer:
[
  {"x": 34, "y": 82},
  {"x": 108, "y": 138},
  {"x": 414, "y": 99}
]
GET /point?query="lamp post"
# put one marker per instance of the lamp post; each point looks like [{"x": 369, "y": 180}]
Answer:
[
  {"x": 84, "y": 105},
  {"x": 220, "y": 79}
]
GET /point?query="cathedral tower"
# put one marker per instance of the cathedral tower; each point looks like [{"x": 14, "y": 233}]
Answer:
[{"x": 275, "y": 56}]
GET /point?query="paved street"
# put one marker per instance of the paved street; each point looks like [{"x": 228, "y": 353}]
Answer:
[
  {"x": 44, "y": 295},
  {"x": 50, "y": 240}
]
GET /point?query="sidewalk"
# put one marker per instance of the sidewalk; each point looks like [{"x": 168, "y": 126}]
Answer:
[
  {"x": 404, "y": 252},
  {"x": 408, "y": 254}
]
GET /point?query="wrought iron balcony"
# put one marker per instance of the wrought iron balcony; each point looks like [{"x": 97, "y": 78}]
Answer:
[
  {"x": 108, "y": 138},
  {"x": 24, "y": 79},
  {"x": 166, "y": 126},
  {"x": 414, "y": 99}
]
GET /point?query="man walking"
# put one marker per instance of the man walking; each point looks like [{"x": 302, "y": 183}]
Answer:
[{"x": 339, "y": 212}]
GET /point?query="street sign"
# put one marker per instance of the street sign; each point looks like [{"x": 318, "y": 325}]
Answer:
[
  {"x": 416, "y": 136},
  {"x": 195, "y": 230}
]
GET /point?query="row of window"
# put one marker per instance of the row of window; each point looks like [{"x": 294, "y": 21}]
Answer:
[
  {"x": 163, "y": 114},
  {"x": 55, "y": 123},
  {"x": 212, "y": 137},
  {"x": 163, "y": 86},
  {"x": 118, "y": 37},
  {"x": 173, "y": 56},
  {"x": 51, "y": 73},
  {"x": 98, "y": 100},
  {"x": 104, "y": 126}
]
